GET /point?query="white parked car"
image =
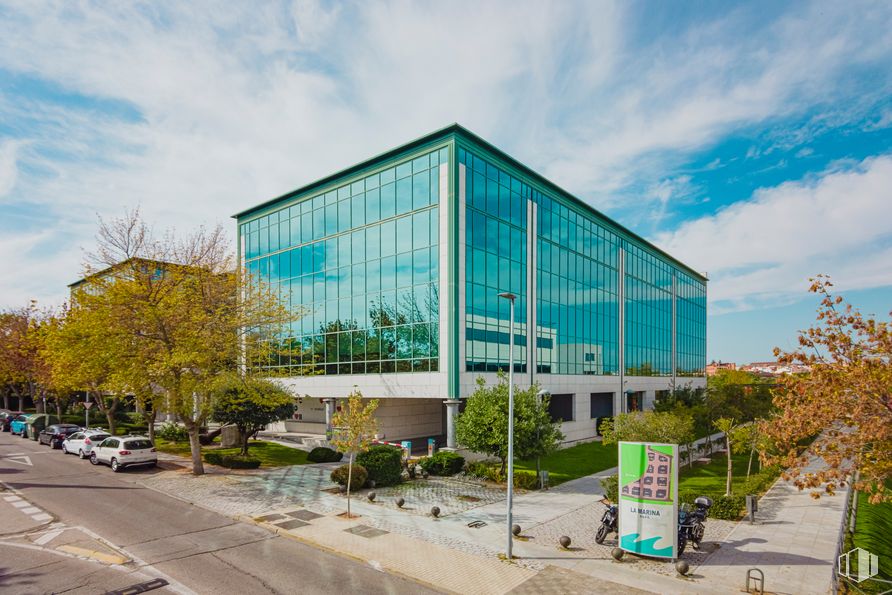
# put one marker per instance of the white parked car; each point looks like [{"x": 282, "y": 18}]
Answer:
[
  {"x": 123, "y": 451},
  {"x": 81, "y": 443}
]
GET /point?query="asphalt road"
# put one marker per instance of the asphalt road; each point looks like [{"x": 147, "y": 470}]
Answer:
[{"x": 192, "y": 548}]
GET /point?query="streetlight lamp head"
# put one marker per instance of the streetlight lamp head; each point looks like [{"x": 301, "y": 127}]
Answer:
[
  {"x": 543, "y": 393},
  {"x": 508, "y": 296}
]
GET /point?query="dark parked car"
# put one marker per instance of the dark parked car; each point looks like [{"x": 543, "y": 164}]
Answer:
[
  {"x": 6, "y": 418},
  {"x": 54, "y": 435}
]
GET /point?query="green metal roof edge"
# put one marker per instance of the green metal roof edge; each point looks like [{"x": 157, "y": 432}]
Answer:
[
  {"x": 459, "y": 130},
  {"x": 366, "y": 164}
]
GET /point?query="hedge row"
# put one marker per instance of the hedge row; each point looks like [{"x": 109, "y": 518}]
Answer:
[
  {"x": 443, "y": 463},
  {"x": 321, "y": 454},
  {"x": 231, "y": 461}
]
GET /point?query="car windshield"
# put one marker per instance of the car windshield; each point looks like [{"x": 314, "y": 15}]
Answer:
[
  {"x": 138, "y": 444},
  {"x": 98, "y": 437}
]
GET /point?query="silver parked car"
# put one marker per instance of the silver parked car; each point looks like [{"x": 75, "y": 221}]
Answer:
[
  {"x": 82, "y": 443},
  {"x": 124, "y": 451}
]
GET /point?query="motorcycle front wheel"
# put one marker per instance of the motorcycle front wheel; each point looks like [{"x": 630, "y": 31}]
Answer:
[{"x": 603, "y": 530}]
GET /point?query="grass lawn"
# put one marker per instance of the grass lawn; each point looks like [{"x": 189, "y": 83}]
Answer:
[
  {"x": 269, "y": 453},
  {"x": 574, "y": 462},
  {"x": 873, "y": 532},
  {"x": 710, "y": 479}
]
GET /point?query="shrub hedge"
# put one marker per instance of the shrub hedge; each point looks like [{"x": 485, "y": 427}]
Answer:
[
  {"x": 525, "y": 480},
  {"x": 360, "y": 476},
  {"x": 322, "y": 454},
  {"x": 384, "y": 464},
  {"x": 172, "y": 432},
  {"x": 443, "y": 463},
  {"x": 231, "y": 461}
]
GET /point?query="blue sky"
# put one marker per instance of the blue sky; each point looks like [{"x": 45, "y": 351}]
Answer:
[{"x": 753, "y": 141}]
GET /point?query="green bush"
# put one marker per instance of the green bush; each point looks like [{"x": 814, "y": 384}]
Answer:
[
  {"x": 526, "y": 480},
  {"x": 360, "y": 475},
  {"x": 71, "y": 418},
  {"x": 611, "y": 488},
  {"x": 729, "y": 508},
  {"x": 231, "y": 461},
  {"x": 322, "y": 454},
  {"x": 443, "y": 463},
  {"x": 384, "y": 464},
  {"x": 172, "y": 432},
  {"x": 476, "y": 469}
]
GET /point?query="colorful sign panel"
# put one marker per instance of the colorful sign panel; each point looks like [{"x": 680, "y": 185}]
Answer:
[{"x": 648, "y": 498}]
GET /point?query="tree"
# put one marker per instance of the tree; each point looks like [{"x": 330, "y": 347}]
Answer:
[
  {"x": 250, "y": 404},
  {"x": 483, "y": 426},
  {"x": 24, "y": 372},
  {"x": 670, "y": 427},
  {"x": 845, "y": 399},
  {"x": 355, "y": 427},
  {"x": 183, "y": 313},
  {"x": 732, "y": 430},
  {"x": 87, "y": 352}
]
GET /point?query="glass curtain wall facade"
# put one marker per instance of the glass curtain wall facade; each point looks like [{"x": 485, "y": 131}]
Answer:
[
  {"x": 495, "y": 262},
  {"x": 359, "y": 253},
  {"x": 577, "y": 288},
  {"x": 361, "y": 261}
]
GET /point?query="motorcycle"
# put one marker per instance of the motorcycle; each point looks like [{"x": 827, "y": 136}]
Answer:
[
  {"x": 690, "y": 523},
  {"x": 608, "y": 522}
]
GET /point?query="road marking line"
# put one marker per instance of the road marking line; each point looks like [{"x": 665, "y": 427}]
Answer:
[
  {"x": 42, "y": 517},
  {"x": 21, "y": 504},
  {"x": 48, "y": 537},
  {"x": 21, "y": 460},
  {"x": 11, "y": 498},
  {"x": 31, "y": 510}
]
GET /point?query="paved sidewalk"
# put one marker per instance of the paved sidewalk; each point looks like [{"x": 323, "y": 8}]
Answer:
[{"x": 793, "y": 542}]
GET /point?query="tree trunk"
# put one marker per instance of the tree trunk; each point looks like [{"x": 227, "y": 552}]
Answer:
[
  {"x": 34, "y": 401},
  {"x": 151, "y": 424},
  {"x": 349, "y": 479},
  {"x": 6, "y": 400},
  {"x": 749, "y": 465},
  {"x": 194, "y": 446},
  {"x": 728, "y": 446},
  {"x": 246, "y": 435},
  {"x": 58, "y": 408}
]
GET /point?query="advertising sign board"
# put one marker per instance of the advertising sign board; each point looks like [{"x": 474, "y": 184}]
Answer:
[{"x": 648, "y": 498}]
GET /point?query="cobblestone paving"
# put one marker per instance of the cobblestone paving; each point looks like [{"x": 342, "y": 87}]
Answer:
[
  {"x": 453, "y": 495},
  {"x": 251, "y": 494},
  {"x": 580, "y": 526}
]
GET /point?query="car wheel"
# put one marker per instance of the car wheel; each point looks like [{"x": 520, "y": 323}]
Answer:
[
  {"x": 115, "y": 466},
  {"x": 80, "y": 454},
  {"x": 93, "y": 459}
]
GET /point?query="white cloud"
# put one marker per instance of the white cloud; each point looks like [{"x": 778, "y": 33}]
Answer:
[
  {"x": 9, "y": 170},
  {"x": 236, "y": 103},
  {"x": 763, "y": 250}
]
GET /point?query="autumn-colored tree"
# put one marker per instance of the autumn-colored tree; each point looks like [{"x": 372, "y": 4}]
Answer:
[
  {"x": 87, "y": 352},
  {"x": 22, "y": 370},
  {"x": 354, "y": 429},
  {"x": 182, "y": 313},
  {"x": 845, "y": 399}
]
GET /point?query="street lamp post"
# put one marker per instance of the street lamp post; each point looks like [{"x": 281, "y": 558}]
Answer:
[{"x": 510, "y": 297}]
